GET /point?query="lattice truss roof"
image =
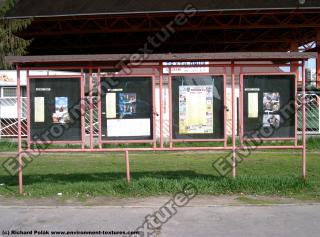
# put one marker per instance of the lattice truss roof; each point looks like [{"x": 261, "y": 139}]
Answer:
[{"x": 123, "y": 26}]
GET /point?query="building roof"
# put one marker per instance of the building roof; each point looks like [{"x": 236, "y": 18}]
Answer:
[
  {"x": 102, "y": 59},
  {"x": 49, "y": 8}
]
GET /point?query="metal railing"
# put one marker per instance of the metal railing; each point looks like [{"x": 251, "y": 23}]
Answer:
[
  {"x": 312, "y": 113},
  {"x": 9, "y": 117},
  {"x": 9, "y": 121}
]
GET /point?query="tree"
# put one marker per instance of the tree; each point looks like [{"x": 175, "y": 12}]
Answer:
[{"x": 9, "y": 43}]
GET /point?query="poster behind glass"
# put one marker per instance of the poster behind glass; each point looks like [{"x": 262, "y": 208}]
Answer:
[
  {"x": 51, "y": 100},
  {"x": 267, "y": 98},
  {"x": 198, "y": 107},
  {"x": 126, "y": 108}
]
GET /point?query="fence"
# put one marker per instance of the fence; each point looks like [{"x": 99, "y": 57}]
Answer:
[
  {"x": 8, "y": 117},
  {"x": 312, "y": 113},
  {"x": 9, "y": 122}
]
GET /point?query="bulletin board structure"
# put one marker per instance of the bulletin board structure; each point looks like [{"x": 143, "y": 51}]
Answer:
[{"x": 127, "y": 107}]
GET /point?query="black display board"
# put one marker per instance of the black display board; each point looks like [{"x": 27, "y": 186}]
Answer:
[
  {"x": 55, "y": 109},
  {"x": 266, "y": 99},
  {"x": 126, "y": 108},
  {"x": 198, "y": 107}
]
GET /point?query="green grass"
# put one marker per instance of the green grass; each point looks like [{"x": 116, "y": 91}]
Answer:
[
  {"x": 8, "y": 145},
  {"x": 313, "y": 144},
  {"x": 153, "y": 174}
]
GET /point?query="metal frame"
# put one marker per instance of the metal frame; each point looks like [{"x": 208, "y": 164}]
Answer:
[
  {"x": 153, "y": 140},
  {"x": 172, "y": 140},
  {"x": 241, "y": 117},
  {"x": 29, "y": 140},
  {"x": 126, "y": 151}
]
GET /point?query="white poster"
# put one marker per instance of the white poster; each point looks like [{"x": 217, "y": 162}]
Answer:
[
  {"x": 38, "y": 109},
  {"x": 253, "y": 105},
  {"x": 190, "y": 67},
  {"x": 111, "y": 105},
  {"x": 128, "y": 127},
  {"x": 195, "y": 109}
]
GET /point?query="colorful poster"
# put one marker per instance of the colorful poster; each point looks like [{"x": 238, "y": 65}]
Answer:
[
  {"x": 127, "y": 104},
  {"x": 253, "y": 105},
  {"x": 111, "y": 105},
  {"x": 61, "y": 114},
  {"x": 38, "y": 109},
  {"x": 271, "y": 102},
  {"x": 195, "y": 109}
]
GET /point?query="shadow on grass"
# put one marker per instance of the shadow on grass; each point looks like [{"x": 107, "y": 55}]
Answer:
[{"x": 105, "y": 177}]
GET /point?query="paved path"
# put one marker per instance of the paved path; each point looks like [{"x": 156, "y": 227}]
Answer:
[{"x": 193, "y": 221}]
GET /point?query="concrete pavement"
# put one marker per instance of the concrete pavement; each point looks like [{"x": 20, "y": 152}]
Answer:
[{"x": 195, "y": 220}]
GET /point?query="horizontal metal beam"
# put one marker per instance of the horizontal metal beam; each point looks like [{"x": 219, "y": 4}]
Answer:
[
  {"x": 247, "y": 56},
  {"x": 150, "y": 23}
]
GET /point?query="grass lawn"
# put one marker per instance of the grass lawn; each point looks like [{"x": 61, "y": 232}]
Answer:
[{"x": 153, "y": 174}]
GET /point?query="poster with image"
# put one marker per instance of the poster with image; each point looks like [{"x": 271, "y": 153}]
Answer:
[
  {"x": 195, "y": 109},
  {"x": 61, "y": 114},
  {"x": 127, "y": 104},
  {"x": 271, "y": 120},
  {"x": 271, "y": 102}
]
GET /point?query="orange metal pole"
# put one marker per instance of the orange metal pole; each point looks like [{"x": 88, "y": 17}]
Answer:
[
  {"x": 294, "y": 65},
  {"x": 127, "y": 165},
  {"x": 233, "y": 121},
  {"x": 304, "y": 139},
  {"x": 19, "y": 131}
]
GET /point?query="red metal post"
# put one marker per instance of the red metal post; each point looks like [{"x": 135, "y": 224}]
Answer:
[
  {"x": 170, "y": 108},
  {"x": 127, "y": 166},
  {"x": 294, "y": 65},
  {"x": 241, "y": 114},
  {"x": 233, "y": 121},
  {"x": 28, "y": 111},
  {"x": 296, "y": 108},
  {"x": 99, "y": 110},
  {"x": 91, "y": 108},
  {"x": 225, "y": 143},
  {"x": 154, "y": 127},
  {"x": 161, "y": 105},
  {"x": 82, "y": 105},
  {"x": 19, "y": 131},
  {"x": 294, "y": 68},
  {"x": 304, "y": 141}
]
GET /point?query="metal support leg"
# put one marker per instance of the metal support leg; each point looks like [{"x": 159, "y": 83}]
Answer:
[
  {"x": 233, "y": 122},
  {"x": 304, "y": 141},
  {"x": 19, "y": 131},
  {"x": 127, "y": 166}
]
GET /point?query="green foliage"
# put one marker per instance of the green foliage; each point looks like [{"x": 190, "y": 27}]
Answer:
[{"x": 9, "y": 43}]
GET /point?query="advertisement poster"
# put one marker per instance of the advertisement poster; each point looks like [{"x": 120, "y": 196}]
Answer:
[
  {"x": 195, "y": 109},
  {"x": 127, "y": 104},
  {"x": 38, "y": 109},
  {"x": 111, "y": 105},
  {"x": 61, "y": 114},
  {"x": 253, "y": 105}
]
